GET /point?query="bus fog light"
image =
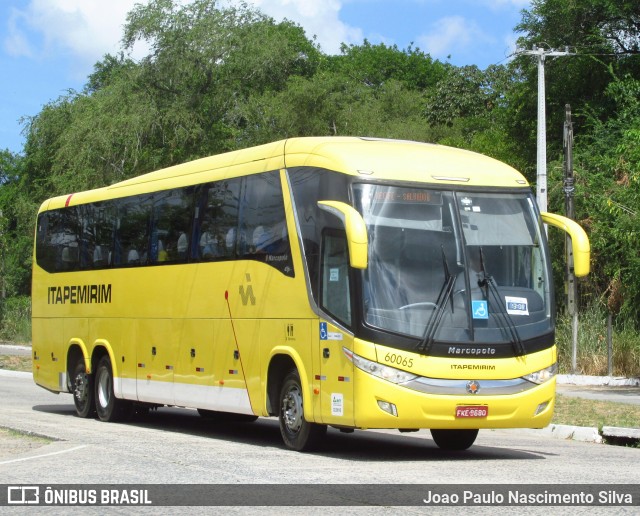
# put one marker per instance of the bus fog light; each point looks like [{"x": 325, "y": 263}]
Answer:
[
  {"x": 389, "y": 408},
  {"x": 541, "y": 408}
]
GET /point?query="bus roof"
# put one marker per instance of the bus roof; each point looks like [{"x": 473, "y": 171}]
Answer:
[{"x": 375, "y": 159}]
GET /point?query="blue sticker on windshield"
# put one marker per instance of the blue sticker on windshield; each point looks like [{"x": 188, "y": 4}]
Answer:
[{"x": 480, "y": 309}]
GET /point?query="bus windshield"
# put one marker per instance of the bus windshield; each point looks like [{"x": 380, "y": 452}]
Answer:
[{"x": 454, "y": 266}]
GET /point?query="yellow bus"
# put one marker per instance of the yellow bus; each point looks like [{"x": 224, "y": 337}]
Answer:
[{"x": 347, "y": 282}]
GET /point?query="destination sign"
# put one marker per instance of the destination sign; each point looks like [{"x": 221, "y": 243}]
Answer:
[{"x": 407, "y": 196}]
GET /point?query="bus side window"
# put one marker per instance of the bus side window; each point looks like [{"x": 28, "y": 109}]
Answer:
[
  {"x": 171, "y": 226},
  {"x": 216, "y": 235},
  {"x": 336, "y": 293},
  {"x": 263, "y": 229},
  {"x": 132, "y": 232},
  {"x": 58, "y": 240}
]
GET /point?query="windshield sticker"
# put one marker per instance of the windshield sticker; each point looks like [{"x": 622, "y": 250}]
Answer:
[
  {"x": 517, "y": 305},
  {"x": 334, "y": 275},
  {"x": 480, "y": 309}
]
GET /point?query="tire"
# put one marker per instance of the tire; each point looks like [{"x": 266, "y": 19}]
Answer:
[
  {"x": 454, "y": 439},
  {"x": 216, "y": 416},
  {"x": 297, "y": 433},
  {"x": 108, "y": 407},
  {"x": 82, "y": 390}
]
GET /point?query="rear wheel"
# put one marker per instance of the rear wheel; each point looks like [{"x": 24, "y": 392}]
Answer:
[
  {"x": 297, "y": 433},
  {"x": 454, "y": 439},
  {"x": 108, "y": 407},
  {"x": 82, "y": 389}
]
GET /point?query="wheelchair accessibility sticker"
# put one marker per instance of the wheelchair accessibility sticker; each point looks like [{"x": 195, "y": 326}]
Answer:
[
  {"x": 480, "y": 309},
  {"x": 328, "y": 335},
  {"x": 323, "y": 331}
]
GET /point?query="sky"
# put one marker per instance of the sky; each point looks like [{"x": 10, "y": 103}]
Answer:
[{"x": 48, "y": 47}]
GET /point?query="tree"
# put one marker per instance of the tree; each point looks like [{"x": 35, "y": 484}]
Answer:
[
  {"x": 604, "y": 37},
  {"x": 16, "y": 223}
]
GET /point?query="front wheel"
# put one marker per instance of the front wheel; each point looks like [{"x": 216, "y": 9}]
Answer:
[
  {"x": 108, "y": 407},
  {"x": 297, "y": 433},
  {"x": 454, "y": 439}
]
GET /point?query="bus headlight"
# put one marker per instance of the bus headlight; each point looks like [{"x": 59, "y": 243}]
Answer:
[
  {"x": 391, "y": 374},
  {"x": 543, "y": 375}
]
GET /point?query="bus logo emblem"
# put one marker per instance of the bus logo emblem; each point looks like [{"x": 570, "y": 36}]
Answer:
[
  {"x": 473, "y": 387},
  {"x": 246, "y": 295}
]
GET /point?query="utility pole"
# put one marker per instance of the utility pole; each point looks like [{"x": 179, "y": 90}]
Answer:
[
  {"x": 569, "y": 190},
  {"x": 541, "y": 182}
]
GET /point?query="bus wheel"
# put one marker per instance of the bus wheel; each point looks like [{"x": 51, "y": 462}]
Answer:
[
  {"x": 297, "y": 433},
  {"x": 82, "y": 388},
  {"x": 108, "y": 407},
  {"x": 454, "y": 439}
]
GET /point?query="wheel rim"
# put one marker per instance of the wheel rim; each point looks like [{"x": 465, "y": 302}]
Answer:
[
  {"x": 81, "y": 389},
  {"x": 104, "y": 389},
  {"x": 292, "y": 409}
]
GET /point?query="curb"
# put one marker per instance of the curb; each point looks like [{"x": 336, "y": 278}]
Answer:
[
  {"x": 588, "y": 434},
  {"x": 605, "y": 381},
  {"x": 574, "y": 433}
]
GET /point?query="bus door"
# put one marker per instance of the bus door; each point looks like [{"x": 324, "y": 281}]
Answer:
[{"x": 336, "y": 370}]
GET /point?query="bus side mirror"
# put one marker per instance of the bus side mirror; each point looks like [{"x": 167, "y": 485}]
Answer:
[
  {"x": 355, "y": 228},
  {"x": 579, "y": 241}
]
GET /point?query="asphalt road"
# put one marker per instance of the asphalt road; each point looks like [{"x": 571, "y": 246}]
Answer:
[{"x": 178, "y": 446}]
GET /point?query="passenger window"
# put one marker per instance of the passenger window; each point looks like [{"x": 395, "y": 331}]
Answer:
[
  {"x": 263, "y": 228},
  {"x": 58, "y": 248},
  {"x": 98, "y": 224},
  {"x": 335, "y": 289},
  {"x": 219, "y": 221},
  {"x": 133, "y": 228},
  {"x": 170, "y": 237}
]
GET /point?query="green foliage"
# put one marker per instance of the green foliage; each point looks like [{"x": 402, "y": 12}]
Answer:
[
  {"x": 592, "y": 354},
  {"x": 374, "y": 65},
  {"x": 221, "y": 76},
  {"x": 15, "y": 319},
  {"x": 608, "y": 200}
]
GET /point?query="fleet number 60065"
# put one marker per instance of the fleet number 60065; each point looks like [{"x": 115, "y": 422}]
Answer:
[{"x": 393, "y": 358}]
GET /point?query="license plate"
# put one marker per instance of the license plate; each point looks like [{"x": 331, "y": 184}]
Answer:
[{"x": 472, "y": 411}]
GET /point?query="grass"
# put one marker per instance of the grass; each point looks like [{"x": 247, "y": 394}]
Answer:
[
  {"x": 15, "y": 363},
  {"x": 16, "y": 434},
  {"x": 15, "y": 319},
  {"x": 592, "y": 356},
  {"x": 582, "y": 412}
]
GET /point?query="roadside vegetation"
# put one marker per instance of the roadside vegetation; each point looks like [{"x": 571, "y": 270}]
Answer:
[
  {"x": 221, "y": 78},
  {"x": 592, "y": 353},
  {"x": 593, "y": 413}
]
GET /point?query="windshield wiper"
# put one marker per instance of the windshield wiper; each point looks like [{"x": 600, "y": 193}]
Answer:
[
  {"x": 503, "y": 319},
  {"x": 424, "y": 346}
]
